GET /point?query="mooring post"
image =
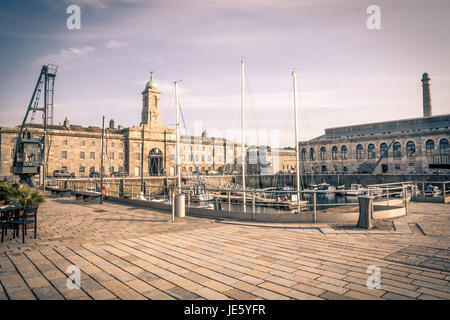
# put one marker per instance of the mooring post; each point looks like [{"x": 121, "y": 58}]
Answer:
[
  {"x": 405, "y": 196},
  {"x": 229, "y": 201},
  {"x": 173, "y": 207},
  {"x": 387, "y": 195},
  {"x": 189, "y": 200},
  {"x": 315, "y": 205},
  {"x": 253, "y": 203}
]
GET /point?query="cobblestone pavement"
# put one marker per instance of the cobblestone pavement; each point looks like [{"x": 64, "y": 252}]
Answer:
[{"x": 127, "y": 252}]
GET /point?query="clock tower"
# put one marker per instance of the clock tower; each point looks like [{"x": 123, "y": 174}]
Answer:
[{"x": 151, "y": 111}]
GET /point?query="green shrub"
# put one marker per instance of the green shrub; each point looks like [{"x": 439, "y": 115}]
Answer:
[
  {"x": 27, "y": 197},
  {"x": 6, "y": 192}
]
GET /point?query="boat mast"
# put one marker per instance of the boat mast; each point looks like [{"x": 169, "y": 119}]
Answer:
[
  {"x": 178, "y": 138},
  {"x": 242, "y": 130},
  {"x": 294, "y": 80}
]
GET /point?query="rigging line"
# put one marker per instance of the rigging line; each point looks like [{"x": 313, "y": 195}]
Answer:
[
  {"x": 252, "y": 107},
  {"x": 192, "y": 155}
]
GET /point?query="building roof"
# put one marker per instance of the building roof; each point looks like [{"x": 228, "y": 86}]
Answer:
[
  {"x": 75, "y": 128},
  {"x": 387, "y": 127}
]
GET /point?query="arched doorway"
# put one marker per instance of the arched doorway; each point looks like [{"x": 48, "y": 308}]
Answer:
[{"x": 155, "y": 162}]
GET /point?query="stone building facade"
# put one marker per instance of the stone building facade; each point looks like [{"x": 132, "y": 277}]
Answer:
[
  {"x": 407, "y": 146},
  {"x": 151, "y": 145}
]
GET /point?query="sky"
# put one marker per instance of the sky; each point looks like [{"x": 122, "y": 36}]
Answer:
[{"x": 347, "y": 73}]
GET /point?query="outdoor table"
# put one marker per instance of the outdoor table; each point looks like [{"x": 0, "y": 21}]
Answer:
[{"x": 7, "y": 213}]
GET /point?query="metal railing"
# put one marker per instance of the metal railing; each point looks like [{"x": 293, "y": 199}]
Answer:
[{"x": 257, "y": 201}]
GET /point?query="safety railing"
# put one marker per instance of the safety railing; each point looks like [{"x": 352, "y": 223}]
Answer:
[{"x": 269, "y": 201}]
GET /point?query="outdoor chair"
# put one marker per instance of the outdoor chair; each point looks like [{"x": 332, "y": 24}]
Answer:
[
  {"x": 6, "y": 216},
  {"x": 28, "y": 216}
]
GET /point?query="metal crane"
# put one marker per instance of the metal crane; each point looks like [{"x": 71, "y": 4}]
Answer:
[{"x": 31, "y": 150}]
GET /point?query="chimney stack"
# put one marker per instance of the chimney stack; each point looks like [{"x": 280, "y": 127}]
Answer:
[
  {"x": 66, "y": 123},
  {"x": 427, "y": 111}
]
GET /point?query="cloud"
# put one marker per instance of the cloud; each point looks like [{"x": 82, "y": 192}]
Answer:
[
  {"x": 70, "y": 55},
  {"x": 113, "y": 44}
]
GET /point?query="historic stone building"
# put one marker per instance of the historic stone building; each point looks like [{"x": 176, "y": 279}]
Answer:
[
  {"x": 395, "y": 147},
  {"x": 151, "y": 145}
]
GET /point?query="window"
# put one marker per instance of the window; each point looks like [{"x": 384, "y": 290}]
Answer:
[
  {"x": 323, "y": 153},
  {"x": 91, "y": 169},
  {"x": 92, "y": 143},
  {"x": 359, "y": 151},
  {"x": 64, "y": 154},
  {"x": 397, "y": 150},
  {"x": 120, "y": 169},
  {"x": 344, "y": 152},
  {"x": 410, "y": 149},
  {"x": 64, "y": 168},
  {"x": 138, "y": 156},
  {"x": 303, "y": 154},
  {"x": 443, "y": 146},
  {"x": 81, "y": 169},
  {"x": 112, "y": 144},
  {"x": 82, "y": 155},
  {"x": 83, "y": 143},
  {"x": 371, "y": 154},
  {"x": 92, "y": 156},
  {"x": 111, "y": 169},
  {"x": 111, "y": 156},
  {"x": 334, "y": 153},
  {"x": 311, "y": 154},
  {"x": 429, "y": 147},
  {"x": 120, "y": 156},
  {"x": 65, "y": 142},
  {"x": 383, "y": 149}
]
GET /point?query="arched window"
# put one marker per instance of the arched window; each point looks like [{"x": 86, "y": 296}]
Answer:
[
  {"x": 429, "y": 147},
  {"x": 323, "y": 153},
  {"x": 334, "y": 153},
  {"x": 303, "y": 154},
  {"x": 410, "y": 149},
  {"x": 155, "y": 164},
  {"x": 359, "y": 151},
  {"x": 311, "y": 154},
  {"x": 443, "y": 146},
  {"x": 344, "y": 153},
  {"x": 383, "y": 149},
  {"x": 156, "y": 101},
  {"x": 371, "y": 154},
  {"x": 397, "y": 150}
]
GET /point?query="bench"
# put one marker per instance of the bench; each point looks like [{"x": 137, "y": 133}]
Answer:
[
  {"x": 92, "y": 197},
  {"x": 59, "y": 192}
]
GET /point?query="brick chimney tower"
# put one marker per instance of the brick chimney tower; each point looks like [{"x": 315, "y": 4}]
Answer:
[{"x": 427, "y": 111}]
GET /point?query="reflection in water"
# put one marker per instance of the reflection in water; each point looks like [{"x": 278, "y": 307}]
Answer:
[{"x": 327, "y": 201}]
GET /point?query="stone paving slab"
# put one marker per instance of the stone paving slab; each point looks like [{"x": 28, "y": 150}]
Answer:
[{"x": 126, "y": 252}]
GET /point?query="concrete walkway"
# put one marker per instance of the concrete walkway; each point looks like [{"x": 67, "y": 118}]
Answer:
[{"x": 127, "y": 252}]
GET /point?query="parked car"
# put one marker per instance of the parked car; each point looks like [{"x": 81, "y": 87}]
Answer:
[
  {"x": 95, "y": 174},
  {"x": 63, "y": 174},
  {"x": 117, "y": 174}
]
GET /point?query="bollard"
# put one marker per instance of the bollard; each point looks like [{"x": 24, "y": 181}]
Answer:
[
  {"x": 253, "y": 203},
  {"x": 365, "y": 212},
  {"x": 229, "y": 201},
  {"x": 315, "y": 206},
  {"x": 180, "y": 205},
  {"x": 173, "y": 207}
]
